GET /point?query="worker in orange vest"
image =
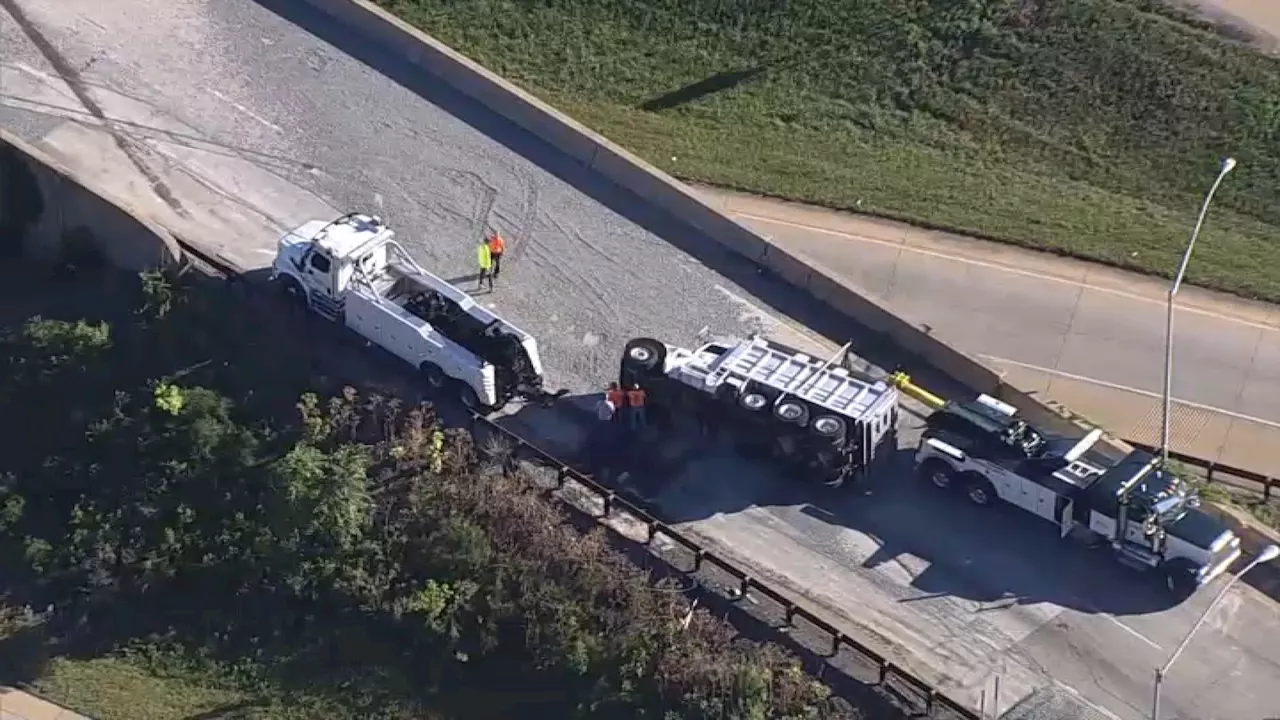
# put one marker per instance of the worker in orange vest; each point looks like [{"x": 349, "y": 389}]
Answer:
[
  {"x": 496, "y": 248},
  {"x": 615, "y": 398},
  {"x": 636, "y": 397}
]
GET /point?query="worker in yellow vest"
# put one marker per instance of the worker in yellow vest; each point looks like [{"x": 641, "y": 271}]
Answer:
[{"x": 484, "y": 258}]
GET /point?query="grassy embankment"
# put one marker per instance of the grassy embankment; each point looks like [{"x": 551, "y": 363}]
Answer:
[{"x": 1090, "y": 127}]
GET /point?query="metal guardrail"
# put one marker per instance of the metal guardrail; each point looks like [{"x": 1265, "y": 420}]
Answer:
[
  {"x": 888, "y": 676},
  {"x": 1215, "y": 473}
]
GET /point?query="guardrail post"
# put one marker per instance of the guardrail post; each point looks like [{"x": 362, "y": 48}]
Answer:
[
  {"x": 698, "y": 556},
  {"x": 1208, "y": 474},
  {"x": 561, "y": 475},
  {"x": 790, "y": 614},
  {"x": 884, "y": 673},
  {"x": 1266, "y": 489},
  {"x": 836, "y": 641},
  {"x": 650, "y": 529},
  {"x": 743, "y": 586},
  {"x": 607, "y": 502}
]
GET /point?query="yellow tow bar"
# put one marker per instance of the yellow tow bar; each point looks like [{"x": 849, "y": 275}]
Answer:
[{"x": 902, "y": 381}]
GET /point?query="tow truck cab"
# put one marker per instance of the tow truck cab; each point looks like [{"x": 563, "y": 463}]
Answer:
[
  {"x": 352, "y": 271},
  {"x": 1149, "y": 522},
  {"x": 813, "y": 416},
  {"x": 1154, "y": 520}
]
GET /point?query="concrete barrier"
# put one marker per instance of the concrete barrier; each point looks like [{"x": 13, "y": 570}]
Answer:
[
  {"x": 46, "y": 212},
  {"x": 1034, "y": 411}
]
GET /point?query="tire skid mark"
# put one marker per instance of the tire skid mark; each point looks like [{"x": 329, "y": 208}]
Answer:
[{"x": 590, "y": 281}]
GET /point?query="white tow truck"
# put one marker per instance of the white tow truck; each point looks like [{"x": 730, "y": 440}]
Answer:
[
  {"x": 1151, "y": 521},
  {"x": 352, "y": 271},
  {"x": 814, "y": 416}
]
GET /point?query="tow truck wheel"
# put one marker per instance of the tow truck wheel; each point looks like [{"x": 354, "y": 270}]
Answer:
[
  {"x": 471, "y": 400},
  {"x": 291, "y": 290},
  {"x": 939, "y": 474},
  {"x": 1179, "y": 576},
  {"x": 980, "y": 492},
  {"x": 434, "y": 375}
]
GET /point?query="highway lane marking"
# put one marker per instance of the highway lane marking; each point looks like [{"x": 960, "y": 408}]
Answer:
[
  {"x": 1009, "y": 269},
  {"x": 1133, "y": 632},
  {"x": 245, "y": 110},
  {"x": 1126, "y": 388}
]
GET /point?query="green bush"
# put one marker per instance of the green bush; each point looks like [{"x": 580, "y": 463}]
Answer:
[{"x": 190, "y": 542}]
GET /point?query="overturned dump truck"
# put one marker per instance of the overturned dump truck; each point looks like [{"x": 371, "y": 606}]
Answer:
[
  {"x": 351, "y": 271},
  {"x": 813, "y": 416}
]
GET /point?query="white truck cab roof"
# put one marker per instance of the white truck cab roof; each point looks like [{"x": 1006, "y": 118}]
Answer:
[{"x": 342, "y": 237}]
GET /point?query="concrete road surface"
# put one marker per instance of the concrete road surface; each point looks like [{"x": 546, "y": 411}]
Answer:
[
  {"x": 20, "y": 705},
  {"x": 247, "y": 123}
]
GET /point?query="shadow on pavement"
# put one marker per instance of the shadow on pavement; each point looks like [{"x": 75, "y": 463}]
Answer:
[
  {"x": 993, "y": 556},
  {"x": 764, "y": 286}
]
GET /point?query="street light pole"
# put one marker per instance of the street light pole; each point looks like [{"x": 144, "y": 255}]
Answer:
[
  {"x": 1227, "y": 166},
  {"x": 1269, "y": 553}
]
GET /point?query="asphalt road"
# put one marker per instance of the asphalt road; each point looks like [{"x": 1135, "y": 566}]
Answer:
[{"x": 250, "y": 124}]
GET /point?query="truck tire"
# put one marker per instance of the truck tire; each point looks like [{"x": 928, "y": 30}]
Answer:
[
  {"x": 435, "y": 377},
  {"x": 793, "y": 412},
  {"x": 939, "y": 474},
  {"x": 293, "y": 293},
  {"x": 980, "y": 492},
  {"x": 645, "y": 354},
  {"x": 752, "y": 401},
  {"x": 471, "y": 400},
  {"x": 1179, "y": 577},
  {"x": 830, "y": 427}
]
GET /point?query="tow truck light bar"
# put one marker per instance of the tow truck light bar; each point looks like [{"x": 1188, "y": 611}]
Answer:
[{"x": 1080, "y": 448}]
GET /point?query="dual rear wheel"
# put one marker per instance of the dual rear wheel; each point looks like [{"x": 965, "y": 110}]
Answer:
[
  {"x": 440, "y": 382},
  {"x": 976, "y": 488}
]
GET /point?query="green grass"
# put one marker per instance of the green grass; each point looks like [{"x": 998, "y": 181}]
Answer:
[
  {"x": 149, "y": 679},
  {"x": 1089, "y": 127},
  {"x": 116, "y": 689}
]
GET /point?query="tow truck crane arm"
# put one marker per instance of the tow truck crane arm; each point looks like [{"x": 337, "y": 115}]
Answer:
[{"x": 902, "y": 381}]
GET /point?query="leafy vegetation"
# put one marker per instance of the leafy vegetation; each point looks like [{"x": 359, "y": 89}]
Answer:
[
  {"x": 181, "y": 535},
  {"x": 1088, "y": 127}
]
